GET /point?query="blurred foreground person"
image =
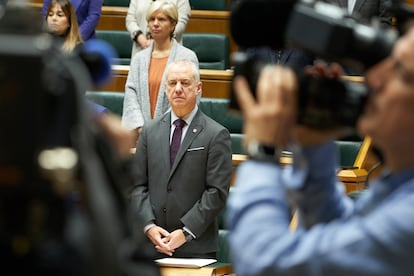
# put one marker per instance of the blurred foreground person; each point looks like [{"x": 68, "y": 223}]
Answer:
[
  {"x": 375, "y": 235},
  {"x": 88, "y": 13}
]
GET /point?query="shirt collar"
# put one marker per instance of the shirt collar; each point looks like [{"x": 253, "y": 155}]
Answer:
[{"x": 187, "y": 118}]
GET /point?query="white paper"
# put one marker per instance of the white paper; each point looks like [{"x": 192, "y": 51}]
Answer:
[{"x": 185, "y": 262}]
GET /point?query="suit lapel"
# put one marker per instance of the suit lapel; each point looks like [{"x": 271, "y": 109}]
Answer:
[
  {"x": 165, "y": 140},
  {"x": 193, "y": 131}
]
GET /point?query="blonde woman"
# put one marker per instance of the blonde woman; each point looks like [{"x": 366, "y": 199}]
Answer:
[{"x": 136, "y": 22}]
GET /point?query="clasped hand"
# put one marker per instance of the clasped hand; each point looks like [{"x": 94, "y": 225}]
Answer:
[{"x": 164, "y": 241}]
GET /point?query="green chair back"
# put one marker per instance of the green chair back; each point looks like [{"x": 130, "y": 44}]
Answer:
[
  {"x": 121, "y": 3},
  {"x": 218, "y": 5},
  {"x": 212, "y": 50},
  {"x": 114, "y": 101},
  {"x": 121, "y": 41},
  {"x": 347, "y": 151}
]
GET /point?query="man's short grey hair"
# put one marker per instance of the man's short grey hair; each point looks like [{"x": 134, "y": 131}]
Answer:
[{"x": 194, "y": 68}]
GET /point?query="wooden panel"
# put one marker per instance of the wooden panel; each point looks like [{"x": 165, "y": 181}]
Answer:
[
  {"x": 112, "y": 18},
  {"x": 211, "y": 270}
]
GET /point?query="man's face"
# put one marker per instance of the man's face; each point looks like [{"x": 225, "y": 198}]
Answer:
[
  {"x": 389, "y": 116},
  {"x": 182, "y": 89},
  {"x": 57, "y": 21}
]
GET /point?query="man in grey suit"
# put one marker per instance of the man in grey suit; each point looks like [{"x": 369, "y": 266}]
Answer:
[{"x": 179, "y": 199}]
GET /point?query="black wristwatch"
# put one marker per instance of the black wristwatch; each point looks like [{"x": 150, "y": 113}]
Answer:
[
  {"x": 263, "y": 152},
  {"x": 136, "y": 35},
  {"x": 188, "y": 236}
]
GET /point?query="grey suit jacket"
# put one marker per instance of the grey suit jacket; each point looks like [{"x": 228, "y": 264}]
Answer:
[
  {"x": 194, "y": 190},
  {"x": 136, "y": 110},
  {"x": 365, "y": 10}
]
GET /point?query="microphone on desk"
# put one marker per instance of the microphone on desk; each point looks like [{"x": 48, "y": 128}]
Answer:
[{"x": 98, "y": 57}]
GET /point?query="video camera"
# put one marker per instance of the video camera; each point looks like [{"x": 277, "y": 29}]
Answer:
[{"x": 323, "y": 30}]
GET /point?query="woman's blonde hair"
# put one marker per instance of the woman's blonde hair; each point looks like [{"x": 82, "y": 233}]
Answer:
[
  {"x": 72, "y": 36},
  {"x": 166, "y": 7}
]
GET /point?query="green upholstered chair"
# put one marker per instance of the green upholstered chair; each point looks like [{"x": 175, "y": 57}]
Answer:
[
  {"x": 223, "y": 253},
  {"x": 237, "y": 143},
  {"x": 217, "y": 109},
  {"x": 114, "y": 101},
  {"x": 218, "y": 5},
  {"x": 121, "y": 41},
  {"x": 347, "y": 152},
  {"x": 121, "y": 3},
  {"x": 212, "y": 50}
]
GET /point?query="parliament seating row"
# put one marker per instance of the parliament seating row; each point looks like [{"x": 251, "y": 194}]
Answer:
[
  {"x": 201, "y": 21},
  {"x": 219, "y": 5},
  {"x": 217, "y": 109},
  {"x": 212, "y": 50}
]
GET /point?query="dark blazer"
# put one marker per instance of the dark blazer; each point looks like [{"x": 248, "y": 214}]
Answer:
[
  {"x": 291, "y": 56},
  {"x": 193, "y": 191},
  {"x": 365, "y": 10},
  {"x": 88, "y": 13}
]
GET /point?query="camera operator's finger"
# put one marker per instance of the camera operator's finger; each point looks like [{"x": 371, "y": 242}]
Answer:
[
  {"x": 244, "y": 95},
  {"x": 323, "y": 69}
]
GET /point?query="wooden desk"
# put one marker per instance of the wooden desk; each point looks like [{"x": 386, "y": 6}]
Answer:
[
  {"x": 210, "y": 270},
  {"x": 216, "y": 83}
]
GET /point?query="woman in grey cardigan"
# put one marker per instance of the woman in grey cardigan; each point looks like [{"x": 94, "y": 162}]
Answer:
[
  {"x": 136, "y": 22},
  {"x": 145, "y": 97}
]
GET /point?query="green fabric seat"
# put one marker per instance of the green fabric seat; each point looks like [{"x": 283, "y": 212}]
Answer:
[
  {"x": 114, "y": 101},
  {"x": 212, "y": 50},
  {"x": 217, "y": 109},
  {"x": 122, "y": 43},
  {"x": 218, "y": 5},
  {"x": 237, "y": 143},
  {"x": 347, "y": 152},
  {"x": 120, "y": 3}
]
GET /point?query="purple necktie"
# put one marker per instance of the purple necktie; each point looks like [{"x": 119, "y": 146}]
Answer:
[{"x": 176, "y": 139}]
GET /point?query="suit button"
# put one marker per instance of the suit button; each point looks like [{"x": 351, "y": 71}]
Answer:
[
  {"x": 164, "y": 210},
  {"x": 169, "y": 190}
]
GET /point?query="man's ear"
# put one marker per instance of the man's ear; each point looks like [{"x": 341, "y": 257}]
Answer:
[{"x": 199, "y": 88}]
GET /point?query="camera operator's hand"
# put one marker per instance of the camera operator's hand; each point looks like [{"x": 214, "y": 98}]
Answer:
[
  {"x": 119, "y": 137},
  {"x": 272, "y": 118},
  {"x": 323, "y": 69},
  {"x": 269, "y": 119}
]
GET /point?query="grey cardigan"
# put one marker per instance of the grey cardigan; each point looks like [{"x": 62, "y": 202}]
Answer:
[{"x": 136, "y": 110}]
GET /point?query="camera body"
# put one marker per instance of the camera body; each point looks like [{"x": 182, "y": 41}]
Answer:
[
  {"x": 62, "y": 210},
  {"x": 325, "y": 31}
]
